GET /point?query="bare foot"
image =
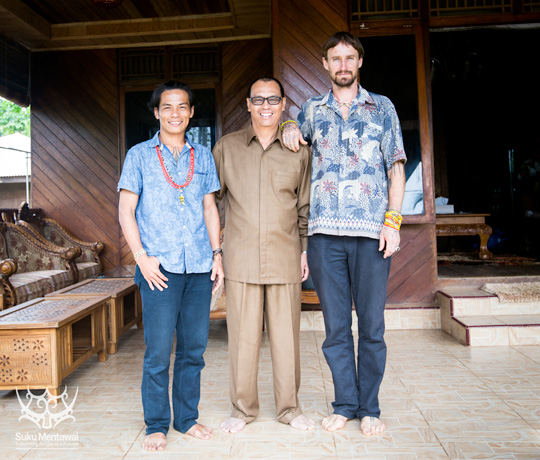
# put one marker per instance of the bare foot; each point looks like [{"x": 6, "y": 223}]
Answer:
[
  {"x": 301, "y": 422},
  {"x": 200, "y": 431},
  {"x": 154, "y": 441},
  {"x": 371, "y": 426},
  {"x": 233, "y": 425},
  {"x": 334, "y": 422}
]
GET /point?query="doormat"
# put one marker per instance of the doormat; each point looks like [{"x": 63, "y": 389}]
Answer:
[
  {"x": 514, "y": 292},
  {"x": 472, "y": 259}
]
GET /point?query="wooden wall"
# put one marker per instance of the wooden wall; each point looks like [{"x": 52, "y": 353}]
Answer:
[
  {"x": 242, "y": 62},
  {"x": 300, "y": 27},
  {"x": 14, "y": 72},
  {"x": 75, "y": 161}
]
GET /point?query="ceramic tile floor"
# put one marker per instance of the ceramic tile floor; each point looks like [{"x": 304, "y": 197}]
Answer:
[{"x": 440, "y": 400}]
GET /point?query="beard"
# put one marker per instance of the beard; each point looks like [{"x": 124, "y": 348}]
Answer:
[{"x": 345, "y": 79}]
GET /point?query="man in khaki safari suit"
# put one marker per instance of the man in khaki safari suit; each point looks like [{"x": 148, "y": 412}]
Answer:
[{"x": 265, "y": 261}]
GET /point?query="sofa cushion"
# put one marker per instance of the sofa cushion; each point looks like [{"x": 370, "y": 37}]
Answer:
[
  {"x": 28, "y": 258},
  {"x": 31, "y": 285},
  {"x": 88, "y": 270},
  {"x": 53, "y": 235}
]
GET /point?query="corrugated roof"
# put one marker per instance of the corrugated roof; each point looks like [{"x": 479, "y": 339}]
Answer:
[{"x": 14, "y": 155}]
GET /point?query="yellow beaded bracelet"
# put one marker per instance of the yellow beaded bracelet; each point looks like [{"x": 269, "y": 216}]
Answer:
[
  {"x": 139, "y": 253},
  {"x": 288, "y": 121},
  {"x": 393, "y": 220},
  {"x": 394, "y": 214}
]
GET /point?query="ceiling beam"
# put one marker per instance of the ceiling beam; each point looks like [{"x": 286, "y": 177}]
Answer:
[
  {"x": 238, "y": 34},
  {"x": 139, "y": 27},
  {"x": 18, "y": 9}
]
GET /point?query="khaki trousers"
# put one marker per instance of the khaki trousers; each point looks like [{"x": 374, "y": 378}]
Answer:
[{"x": 281, "y": 305}]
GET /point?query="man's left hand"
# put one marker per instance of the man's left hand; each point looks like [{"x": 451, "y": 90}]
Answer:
[
  {"x": 217, "y": 274},
  {"x": 389, "y": 241},
  {"x": 304, "y": 267}
]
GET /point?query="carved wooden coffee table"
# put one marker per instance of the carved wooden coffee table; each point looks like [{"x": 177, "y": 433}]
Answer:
[
  {"x": 124, "y": 307},
  {"x": 44, "y": 340},
  {"x": 466, "y": 224}
]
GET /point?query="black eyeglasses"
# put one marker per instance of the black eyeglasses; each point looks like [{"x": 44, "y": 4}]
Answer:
[{"x": 259, "y": 100}]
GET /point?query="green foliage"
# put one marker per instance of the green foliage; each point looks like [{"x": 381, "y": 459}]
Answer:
[{"x": 13, "y": 118}]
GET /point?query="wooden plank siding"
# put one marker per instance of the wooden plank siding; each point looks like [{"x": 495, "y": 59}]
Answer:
[
  {"x": 300, "y": 27},
  {"x": 242, "y": 62},
  {"x": 413, "y": 276},
  {"x": 75, "y": 163},
  {"x": 14, "y": 71}
]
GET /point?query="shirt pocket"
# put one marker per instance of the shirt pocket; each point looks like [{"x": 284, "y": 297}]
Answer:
[
  {"x": 285, "y": 184},
  {"x": 286, "y": 175},
  {"x": 199, "y": 182}
]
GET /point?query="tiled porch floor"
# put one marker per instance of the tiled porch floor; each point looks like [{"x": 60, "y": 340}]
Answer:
[{"x": 439, "y": 400}]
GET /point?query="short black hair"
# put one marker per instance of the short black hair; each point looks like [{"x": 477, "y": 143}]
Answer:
[
  {"x": 266, "y": 79},
  {"x": 170, "y": 85},
  {"x": 343, "y": 37}
]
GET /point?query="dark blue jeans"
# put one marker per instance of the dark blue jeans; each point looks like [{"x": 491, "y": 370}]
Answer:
[
  {"x": 184, "y": 308},
  {"x": 345, "y": 268}
]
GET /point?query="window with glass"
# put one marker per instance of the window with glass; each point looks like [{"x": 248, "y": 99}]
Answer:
[
  {"x": 141, "y": 124},
  {"x": 389, "y": 68}
]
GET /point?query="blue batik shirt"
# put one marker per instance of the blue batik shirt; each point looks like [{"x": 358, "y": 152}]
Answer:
[
  {"x": 349, "y": 182},
  {"x": 173, "y": 232}
]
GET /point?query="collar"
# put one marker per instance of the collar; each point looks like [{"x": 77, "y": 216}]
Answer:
[
  {"x": 362, "y": 98},
  {"x": 155, "y": 141},
  {"x": 250, "y": 135}
]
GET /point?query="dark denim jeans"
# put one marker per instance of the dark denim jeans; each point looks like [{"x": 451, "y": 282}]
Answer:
[
  {"x": 345, "y": 268},
  {"x": 183, "y": 307}
]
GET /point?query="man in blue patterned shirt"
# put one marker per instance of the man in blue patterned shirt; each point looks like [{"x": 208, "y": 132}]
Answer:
[
  {"x": 357, "y": 189},
  {"x": 171, "y": 223}
]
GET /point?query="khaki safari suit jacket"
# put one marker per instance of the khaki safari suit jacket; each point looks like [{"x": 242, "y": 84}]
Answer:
[{"x": 266, "y": 210}]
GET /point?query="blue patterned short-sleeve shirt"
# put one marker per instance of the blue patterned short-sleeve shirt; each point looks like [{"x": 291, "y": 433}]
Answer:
[
  {"x": 173, "y": 232},
  {"x": 349, "y": 182}
]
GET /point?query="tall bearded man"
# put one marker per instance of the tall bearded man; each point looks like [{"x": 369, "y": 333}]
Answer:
[{"x": 357, "y": 189}]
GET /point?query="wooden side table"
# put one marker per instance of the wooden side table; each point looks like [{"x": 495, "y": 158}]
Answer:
[
  {"x": 44, "y": 340},
  {"x": 125, "y": 308},
  {"x": 466, "y": 224}
]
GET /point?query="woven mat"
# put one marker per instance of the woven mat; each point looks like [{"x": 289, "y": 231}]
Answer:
[
  {"x": 472, "y": 259},
  {"x": 514, "y": 292}
]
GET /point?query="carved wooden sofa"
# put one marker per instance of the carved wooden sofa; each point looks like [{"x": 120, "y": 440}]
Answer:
[
  {"x": 31, "y": 267},
  {"x": 88, "y": 263}
]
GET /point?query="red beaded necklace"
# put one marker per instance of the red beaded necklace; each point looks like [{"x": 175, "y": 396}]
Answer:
[{"x": 168, "y": 177}]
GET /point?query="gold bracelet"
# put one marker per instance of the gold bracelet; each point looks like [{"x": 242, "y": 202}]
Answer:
[{"x": 288, "y": 121}]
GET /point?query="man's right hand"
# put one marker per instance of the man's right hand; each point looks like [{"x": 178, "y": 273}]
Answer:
[
  {"x": 292, "y": 137},
  {"x": 149, "y": 266}
]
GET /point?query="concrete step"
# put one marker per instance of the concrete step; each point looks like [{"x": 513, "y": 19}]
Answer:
[
  {"x": 474, "y": 302},
  {"x": 476, "y": 318}
]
